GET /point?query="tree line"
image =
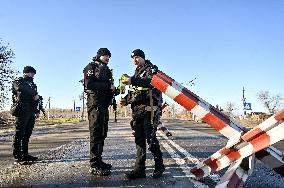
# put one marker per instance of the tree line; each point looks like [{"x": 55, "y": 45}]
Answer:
[
  {"x": 271, "y": 102},
  {"x": 7, "y": 73}
]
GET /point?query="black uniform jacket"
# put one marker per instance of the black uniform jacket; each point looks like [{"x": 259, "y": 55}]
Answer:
[
  {"x": 23, "y": 90},
  {"x": 142, "y": 78},
  {"x": 97, "y": 82}
]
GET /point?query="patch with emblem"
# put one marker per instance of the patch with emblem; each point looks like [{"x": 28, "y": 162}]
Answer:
[
  {"x": 143, "y": 74},
  {"x": 90, "y": 72}
]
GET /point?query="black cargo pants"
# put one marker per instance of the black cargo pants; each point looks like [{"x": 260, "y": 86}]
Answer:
[
  {"x": 24, "y": 126},
  {"x": 144, "y": 131},
  {"x": 98, "y": 126}
]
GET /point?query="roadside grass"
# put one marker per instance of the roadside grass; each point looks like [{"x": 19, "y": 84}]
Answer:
[
  {"x": 249, "y": 123},
  {"x": 45, "y": 121}
]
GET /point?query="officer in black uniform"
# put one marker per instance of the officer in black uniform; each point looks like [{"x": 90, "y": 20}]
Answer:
[
  {"x": 25, "y": 101},
  {"x": 140, "y": 96},
  {"x": 100, "y": 91}
]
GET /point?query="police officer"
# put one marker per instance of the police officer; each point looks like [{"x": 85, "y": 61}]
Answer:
[
  {"x": 99, "y": 89},
  {"x": 24, "y": 108},
  {"x": 141, "y": 95}
]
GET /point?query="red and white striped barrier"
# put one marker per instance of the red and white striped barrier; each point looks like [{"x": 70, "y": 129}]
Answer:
[
  {"x": 264, "y": 140},
  {"x": 264, "y": 126},
  {"x": 196, "y": 105},
  {"x": 161, "y": 126},
  {"x": 236, "y": 175},
  {"x": 253, "y": 141},
  {"x": 164, "y": 105},
  {"x": 247, "y": 143},
  {"x": 164, "y": 129}
]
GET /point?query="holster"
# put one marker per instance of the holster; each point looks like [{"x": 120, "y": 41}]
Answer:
[
  {"x": 138, "y": 112},
  {"x": 16, "y": 109}
]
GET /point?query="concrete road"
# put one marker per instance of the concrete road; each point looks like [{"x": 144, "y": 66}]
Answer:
[{"x": 64, "y": 151}]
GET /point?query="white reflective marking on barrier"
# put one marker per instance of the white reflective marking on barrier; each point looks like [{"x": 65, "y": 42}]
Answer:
[
  {"x": 200, "y": 110},
  {"x": 216, "y": 155},
  {"x": 177, "y": 86},
  {"x": 246, "y": 150},
  {"x": 276, "y": 134},
  {"x": 224, "y": 161},
  {"x": 251, "y": 164},
  {"x": 234, "y": 139},
  {"x": 172, "y": 92},
  {"x": 229, "y": 131},
  {"x": 206, "y": 169},
  {"x": 267, "y": 124},
  {"x": 199, "y": 165}
]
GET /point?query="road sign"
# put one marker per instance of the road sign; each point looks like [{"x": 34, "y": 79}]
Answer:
[
  {"x": 78, "y": 109},
  {"x": 247, "y": 106}
]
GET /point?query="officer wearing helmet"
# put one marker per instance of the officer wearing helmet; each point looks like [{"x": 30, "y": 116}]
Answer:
[
  {"x": 25, "y": 100},
  {"x": 100, "y": 90},
  {"x": 145, "y": 103}
]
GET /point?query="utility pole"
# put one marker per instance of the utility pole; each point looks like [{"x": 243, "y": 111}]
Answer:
[
  {"x": 244, "y": 100},
  {"x": 83, "y": 99},
  {"x": 83, "y": 110},
  {"x": 48, "y": 112}
]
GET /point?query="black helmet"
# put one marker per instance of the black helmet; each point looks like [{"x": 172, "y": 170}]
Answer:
[{"x": 29, "y": 69}]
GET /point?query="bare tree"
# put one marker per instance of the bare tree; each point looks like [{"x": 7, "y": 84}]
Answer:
[
  {"x": 272, "y": 103},
  {"x": 7, "y": 74},
  {"x": 230, "y": 108},
  {"x": 173, "y": 108}
]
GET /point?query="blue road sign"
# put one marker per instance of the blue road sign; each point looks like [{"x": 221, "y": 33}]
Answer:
[
  {"x": 247, "y": 106},
  {"x": 78, "y": 109}
]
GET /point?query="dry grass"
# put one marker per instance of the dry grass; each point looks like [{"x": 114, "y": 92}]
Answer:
[
  {"x": 249, "y": 123},
  {"x": 58, "y": 121}
]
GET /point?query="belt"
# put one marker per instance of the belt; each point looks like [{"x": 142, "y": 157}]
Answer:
[
  {"x": 139, "y": 88},
  {"x": 148, "y": 108}
]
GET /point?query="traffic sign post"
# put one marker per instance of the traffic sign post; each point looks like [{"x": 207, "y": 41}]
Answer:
[{"x": 77, "y": 109}]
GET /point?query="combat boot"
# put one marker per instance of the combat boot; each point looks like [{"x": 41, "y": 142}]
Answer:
[
  {"x": 25, "y": 160},
  {"x": 159, "y": 168},
  {"x": 30, "y": 158},
  {"x": 100, "y": 171},
  {"x": 21, "y": 161},
  {"x": 106, "y": 165},
  {"x": 135, "y": 174}
]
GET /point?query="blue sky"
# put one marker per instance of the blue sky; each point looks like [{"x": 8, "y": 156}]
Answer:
[{"x": 225, "y": 44}]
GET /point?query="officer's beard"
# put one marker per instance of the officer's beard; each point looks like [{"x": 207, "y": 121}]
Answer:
[{"x": 28, "y": 78}]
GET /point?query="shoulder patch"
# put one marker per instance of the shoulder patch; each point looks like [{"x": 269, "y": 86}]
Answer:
[
  {"x": 90, "y": 72},
  {"x": 19, "y": 78}
]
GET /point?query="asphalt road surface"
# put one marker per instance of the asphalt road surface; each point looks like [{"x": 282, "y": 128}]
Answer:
[{"x": 64, "y": 150}]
